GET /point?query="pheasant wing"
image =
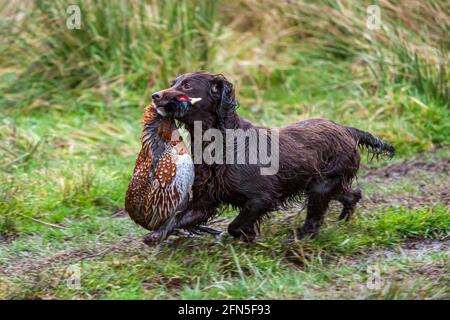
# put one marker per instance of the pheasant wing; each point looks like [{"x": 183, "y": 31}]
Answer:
[
  {"x": 184, "y": 178},
  {"x": 171, "y": 183}
]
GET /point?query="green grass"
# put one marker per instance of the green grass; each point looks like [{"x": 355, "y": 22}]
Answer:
[
  {"x": 70, "y": 104},
  {"x": 225, "y": 268}
]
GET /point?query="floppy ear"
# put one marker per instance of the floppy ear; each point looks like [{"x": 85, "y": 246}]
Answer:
[
  {"x": 222, "y": 88},
  {"x": 226, "y": 107}
]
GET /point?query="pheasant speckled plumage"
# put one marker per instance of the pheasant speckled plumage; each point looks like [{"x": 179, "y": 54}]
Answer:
[{"x": 163, "y": 173}]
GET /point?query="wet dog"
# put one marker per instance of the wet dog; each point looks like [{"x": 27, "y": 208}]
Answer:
[{"x": 318, "y": 160}]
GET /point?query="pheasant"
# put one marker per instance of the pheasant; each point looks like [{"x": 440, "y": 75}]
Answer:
[{"x": 163, "y": 174}]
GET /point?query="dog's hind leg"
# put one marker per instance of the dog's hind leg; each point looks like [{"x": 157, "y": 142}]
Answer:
[
  {"x": 349, "y": 199},
  {"x": 320, "y": 194},
  {"x": 316, "y": 209}
]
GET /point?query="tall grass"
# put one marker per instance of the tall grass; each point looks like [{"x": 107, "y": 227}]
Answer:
[
  {"x": 411, "y": 46},
  {"x": 136, "y": 42},
  {"x": 124, "y": 49}
]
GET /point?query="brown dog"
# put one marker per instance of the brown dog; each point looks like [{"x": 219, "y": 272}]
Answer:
[{"x": 318, "y": 159}]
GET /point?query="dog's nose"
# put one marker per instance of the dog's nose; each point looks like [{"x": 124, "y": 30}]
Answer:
[{"x": 157, "y": 96}]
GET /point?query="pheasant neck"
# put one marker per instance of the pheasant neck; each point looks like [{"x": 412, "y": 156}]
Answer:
[{"x": 157, "y": 133}]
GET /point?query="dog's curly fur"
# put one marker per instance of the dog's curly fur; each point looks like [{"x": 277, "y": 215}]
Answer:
[{"x": 318, "y": 160}]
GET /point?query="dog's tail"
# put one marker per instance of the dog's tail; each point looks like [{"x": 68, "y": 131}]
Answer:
[{"x": 372, "y": 144}]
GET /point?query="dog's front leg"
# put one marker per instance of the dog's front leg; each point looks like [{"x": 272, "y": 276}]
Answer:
[
  {"x": 162, "y": 233},
  {"x": 189, "y": 219},
  {"x": 243, "y": 226}
]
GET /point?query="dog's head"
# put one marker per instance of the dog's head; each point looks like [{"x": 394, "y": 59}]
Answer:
[{"x": 210, "y": 97}]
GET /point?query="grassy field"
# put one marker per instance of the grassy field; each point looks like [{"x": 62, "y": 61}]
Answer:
[{"x": 70, "y": 105}]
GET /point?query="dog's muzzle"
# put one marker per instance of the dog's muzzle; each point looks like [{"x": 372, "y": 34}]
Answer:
[{"x": 176, "y": 107}]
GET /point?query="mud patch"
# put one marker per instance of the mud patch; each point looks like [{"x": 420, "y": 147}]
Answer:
[
  {"x": 69, "y": 257},
  {"x": 427, "y": 198},
  {"x": 411, "y": 249},
  {"x": 433, "y": 189},
  {"x": 407, "y": 167},
  {"x": 8, "y": 238},
  {"x": 405, "y": 272}
]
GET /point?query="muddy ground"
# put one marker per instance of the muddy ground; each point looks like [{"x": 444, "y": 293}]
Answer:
[
  {"x": 426, "y": 193},
  {"x": 429, "y": 192}
]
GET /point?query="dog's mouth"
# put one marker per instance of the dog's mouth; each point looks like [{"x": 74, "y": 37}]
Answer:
[
  {"x": 160, "y": 110},
  {"x": 176, "y": 107},
  {"x": 173, "y": 108}
]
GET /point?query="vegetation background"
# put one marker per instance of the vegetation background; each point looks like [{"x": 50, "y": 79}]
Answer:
[{"x": 70, "y": 104}]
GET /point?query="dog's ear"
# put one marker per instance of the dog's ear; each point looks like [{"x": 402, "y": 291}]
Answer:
[{"x": 224, "y": 91}]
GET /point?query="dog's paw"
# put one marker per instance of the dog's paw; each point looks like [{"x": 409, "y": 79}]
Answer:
[
  {"x": 249, "y": 238},
  {"x": 305, "y": 233},
  {"x": 246, "y": 234},
  {"x": 153, "y": 238}
]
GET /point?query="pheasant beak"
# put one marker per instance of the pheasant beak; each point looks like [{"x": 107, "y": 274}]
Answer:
[
  {"x": 187, "y": 99},
  {"x": 194, "y": 100}
]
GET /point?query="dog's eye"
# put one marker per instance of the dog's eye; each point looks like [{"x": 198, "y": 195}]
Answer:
[{"x": 186, "y": 86}]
